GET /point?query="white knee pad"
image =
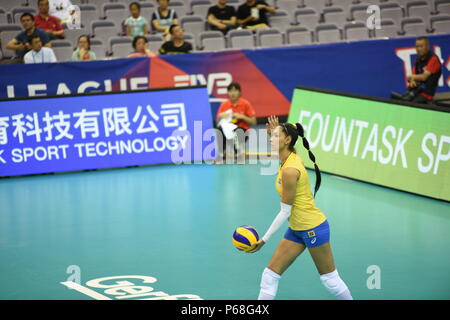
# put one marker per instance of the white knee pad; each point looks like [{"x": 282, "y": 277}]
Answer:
[
  {"x": 333, "y": 283},
  {"x": 269, "y": 282}
]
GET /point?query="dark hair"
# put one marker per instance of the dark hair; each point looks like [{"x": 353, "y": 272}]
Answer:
[
  {"x": 172, "y": 27},
  {"x": 234, "y": 85},
  {"x": 39, "y": 1},
  {"x": 88, "y": 38},
  {"x": 294, "y": 131},
  {"x": 136, "y": 39},
  {"x": 34, "y": 37},
  {"x": 27, "y": 14},
  {"x": 423, "y": 38},
  {"x": 135, "y": 4}
]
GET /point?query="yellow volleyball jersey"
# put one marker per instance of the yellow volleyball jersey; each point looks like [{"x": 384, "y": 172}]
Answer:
[{"x": 304, "y": 214}]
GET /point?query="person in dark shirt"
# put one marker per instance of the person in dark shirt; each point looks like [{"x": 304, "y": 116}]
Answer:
[
  {"x": 22, "y": 42},
  {"x": 253, "y": 14},
  {"x": 177, "y": 44},
  {"x": 222, "y": 17},
  {"x": 426, "y": 72}
]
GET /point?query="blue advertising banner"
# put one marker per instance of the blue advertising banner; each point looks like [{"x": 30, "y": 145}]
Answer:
[
  {"x": 268, "y": 76},
  {"x": 54, "y": 134}
]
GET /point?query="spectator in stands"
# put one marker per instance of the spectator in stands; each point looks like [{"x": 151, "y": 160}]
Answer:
[
  {"x": 163, "y": 18},
  {"x": 177, "y": 44},
  {"x": 22, "y": 42},
  {"x": 236, "y": 110},
  {"x": 222, "y": 17},
  {"x": 426, "y": 72},
  {"x": 253, "y": 14},
  {"x": 50, "y": 24},
  {"x": 136, "y": 25},
  {"x": 38, "y": 53},
  {"x": 83, "y": 51},
  {"x": 140, "y": 46},
  {"x": 63, "y": 10}
]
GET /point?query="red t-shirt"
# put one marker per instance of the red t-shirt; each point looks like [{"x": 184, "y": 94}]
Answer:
[
  {"x": 50, "y": 23},
  {"x": 433, "y": 66},
  {"x": 242, "y": 106}
]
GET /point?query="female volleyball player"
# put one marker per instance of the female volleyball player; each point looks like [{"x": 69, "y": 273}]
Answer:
[{"x": 308, "y": 226}]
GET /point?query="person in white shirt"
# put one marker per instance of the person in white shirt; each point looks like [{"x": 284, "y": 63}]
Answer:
[
  {"x": 62, "y": 9},
  {"x": 38, "y": 53}
]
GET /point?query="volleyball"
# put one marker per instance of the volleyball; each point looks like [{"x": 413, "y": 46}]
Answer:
[{"x": 244, "y": 237}]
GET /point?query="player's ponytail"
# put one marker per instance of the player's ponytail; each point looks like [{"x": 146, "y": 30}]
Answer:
[{"x": 301, "y": 133}]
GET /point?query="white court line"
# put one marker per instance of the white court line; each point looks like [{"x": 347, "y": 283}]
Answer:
[{"x": 86, "y": 291}]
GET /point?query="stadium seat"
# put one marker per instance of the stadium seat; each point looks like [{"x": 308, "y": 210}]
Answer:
[
  {"x": 7, "y": 5},
  {"x": 116, "y": 12},
  {"x": 120, "y": 47},
  {"x": 241, "y": 39},
  {"x": 200, "y": 7},
  {"x": 356, "y": 32},
  {"x": 289, "y": 6},
  {"x": 147, "y": 9},
  {"x": 318, "y": 5},
  {"x": 180, "y": 8},
  {"x": 63, "y": 50},
  {"x": 268, "y": 38},
  {"x": 280, "y": 20},
  {"x": 335, "y": 15},
  {"x": 98, "y": 47},
  {"x": 419, "y": 8},
  {"x": 193, "y": 24},
  {"x": 5, "y": 37},
  {"x": 388, "y": 29},
  {"x": 89, "y": 13},
  {"x": 17, "y": 12},
  {"x": 212, "y": 41},
  {"x": 442, "y": 7},
  {"x": 413, "y": 26},
  {"x": 103, "y": 29},
  {"x": 308, "y": 18},
  {"x": 3, "y": 16},
  {"x": 155, "y": 42},
  {"x": 328, "y": 33},
  {"x": 358, "y": 12},
  {"x": 440, "y": 24},
  {"x": 391, "y": 11},
  {"x": 299, "y": 36}
]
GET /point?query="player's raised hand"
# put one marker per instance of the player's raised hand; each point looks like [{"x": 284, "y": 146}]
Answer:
[{"x": 272, "y": 123}]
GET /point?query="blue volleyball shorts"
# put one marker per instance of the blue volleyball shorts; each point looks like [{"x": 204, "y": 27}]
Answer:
[{"x": 310, "y": 238}]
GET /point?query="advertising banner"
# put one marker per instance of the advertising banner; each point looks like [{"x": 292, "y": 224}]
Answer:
[
  {"x": 68, "y": 133},
  {"x": 394, "y": 145}
]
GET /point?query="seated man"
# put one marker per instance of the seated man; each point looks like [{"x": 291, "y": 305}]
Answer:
[
  {"x": 426, "y": 72},
  {"x": 222, "y": 17},
  {"x": 48, "y": 23},
  {"x": 22, "y": 42},
  {"x": 238, "y": 111},
  {"x": 39, "y": 54},
  {"x": 177, "y": 44},
  {"x": 252, "y": 14}
]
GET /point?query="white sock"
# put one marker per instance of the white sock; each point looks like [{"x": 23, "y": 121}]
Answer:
[
  {"x": 336, "y": 286},
  {"x": 269, "y": 285}
]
